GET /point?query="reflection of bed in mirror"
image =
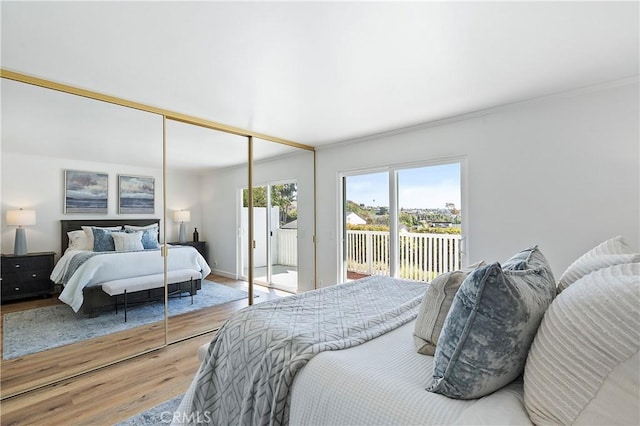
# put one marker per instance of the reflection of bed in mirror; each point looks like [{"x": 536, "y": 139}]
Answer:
[{"x": 93, "y": 281}]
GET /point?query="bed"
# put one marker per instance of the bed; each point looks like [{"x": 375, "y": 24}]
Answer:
[
  {"x": 93, "y": 282},
  {"x": 347, "y": 354},
  {"x": 347, "y": 378}
]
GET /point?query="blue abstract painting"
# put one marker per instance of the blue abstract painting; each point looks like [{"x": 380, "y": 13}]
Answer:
[
  {"x": 85, "y": 192},
  {"x": 136, "y": 194}
]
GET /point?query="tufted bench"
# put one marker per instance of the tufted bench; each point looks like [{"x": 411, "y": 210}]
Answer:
[{"x": 146, "y": 282}]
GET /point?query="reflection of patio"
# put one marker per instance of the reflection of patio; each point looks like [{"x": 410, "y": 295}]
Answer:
[{"x": 283, "y": 277}]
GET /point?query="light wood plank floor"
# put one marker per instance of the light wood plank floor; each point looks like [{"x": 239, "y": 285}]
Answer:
[{"x": 117, "y": 392}]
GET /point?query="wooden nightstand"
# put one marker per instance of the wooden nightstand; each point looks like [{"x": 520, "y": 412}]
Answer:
[
  {"x": 201, "y": 246},
  {"x": 26, "y": 275}
]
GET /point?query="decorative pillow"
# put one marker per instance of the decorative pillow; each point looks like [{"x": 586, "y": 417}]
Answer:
[
  {"x": 78, "y": 240},
  {"x": 89, "y": 232},
  {"x": 583, "y": 364},
  {"x": 611, "y": 252},
  {"x": 492, "y": 321},
  {"x": 435, "y": 306},
  {"x": 150, "y": 236},
  {"x": 128, "y": 241},
  {"x": 103, "y": 240}
]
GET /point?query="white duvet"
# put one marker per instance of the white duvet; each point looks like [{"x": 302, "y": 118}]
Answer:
[{"x": 119, "y": 265}]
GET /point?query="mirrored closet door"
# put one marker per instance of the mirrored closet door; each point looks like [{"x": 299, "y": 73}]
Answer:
[
  {"x": 203, "y": 169},
  {"x": 117, "y": 194},
  {"x": 283, "y": 211},
  {"x": 70, "y": 161}
]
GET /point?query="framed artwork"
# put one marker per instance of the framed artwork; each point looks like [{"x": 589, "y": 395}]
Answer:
[
  {"x": 85, "y": 192},
  {"x": 136, "y": 194}
]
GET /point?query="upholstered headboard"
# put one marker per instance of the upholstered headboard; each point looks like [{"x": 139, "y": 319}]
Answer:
[{"x": 74, "y": 225}]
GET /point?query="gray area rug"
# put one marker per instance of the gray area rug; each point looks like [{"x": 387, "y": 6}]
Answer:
[
  {"x": 38, "y": 329},
  {"x": 158, "y": 415}
]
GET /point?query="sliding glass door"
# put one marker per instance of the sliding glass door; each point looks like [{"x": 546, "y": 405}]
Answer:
[
  {"x": 275, "y": 222},
  {"x": 404, "y": 222}
]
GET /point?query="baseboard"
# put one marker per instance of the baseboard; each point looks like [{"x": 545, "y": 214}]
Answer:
[{"x": 225, "y": 274}]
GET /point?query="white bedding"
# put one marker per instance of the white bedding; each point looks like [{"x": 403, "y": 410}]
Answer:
[
  {"x": 382, "y": 382},
  {"x": 119, "y": 265}
]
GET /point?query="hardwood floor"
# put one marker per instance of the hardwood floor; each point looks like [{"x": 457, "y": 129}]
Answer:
[{"x": 111, "y": 394}]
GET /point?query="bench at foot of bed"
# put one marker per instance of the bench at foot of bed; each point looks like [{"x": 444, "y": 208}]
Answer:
[{"x": 142, "y": 289}]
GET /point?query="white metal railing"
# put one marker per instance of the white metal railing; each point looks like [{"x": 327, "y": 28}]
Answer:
[
  {"x": 421, "y": 256},
  {"x": 287, "y": 252}
]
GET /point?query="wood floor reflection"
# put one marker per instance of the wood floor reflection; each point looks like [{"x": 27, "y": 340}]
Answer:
[{"x": 21, "y": 373}]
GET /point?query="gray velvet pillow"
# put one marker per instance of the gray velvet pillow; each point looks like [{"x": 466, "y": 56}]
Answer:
[
  {"x": 103, "y": 240},
  {"x": 493, "y": 319},
  {"x": 435, "y": 306}
]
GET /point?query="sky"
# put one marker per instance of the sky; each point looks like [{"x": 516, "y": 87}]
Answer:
[{"x": 427, "y": 187}]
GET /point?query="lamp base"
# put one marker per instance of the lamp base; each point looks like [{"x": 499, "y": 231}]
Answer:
[
  {"x": 182, "y": 237},
  {"x": 20, "y": 246}
]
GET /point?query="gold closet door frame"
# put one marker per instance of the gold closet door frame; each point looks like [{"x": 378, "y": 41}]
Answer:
[{"x": 166, "y": 115}]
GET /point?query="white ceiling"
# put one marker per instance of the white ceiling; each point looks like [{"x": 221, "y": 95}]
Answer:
[{"x": 322, "y": 72}]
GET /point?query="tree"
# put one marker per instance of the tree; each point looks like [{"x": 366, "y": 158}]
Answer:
[
  {"x": 452, "y": 208},
  {"x": 282, "y": 195},
  {"x": 259, "y": 197}
]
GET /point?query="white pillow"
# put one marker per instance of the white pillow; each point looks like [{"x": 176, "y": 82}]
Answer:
[
  {"x": 89, "y": 232},
  {"x": 611, "y": 252},
  {"x": 149, "y": 237},
  {"x": 78, "y": 240},
  {"x": 127, "y": 241},
  {"x": 435, "y": 306},
  {"x": 577, "y": 371}
]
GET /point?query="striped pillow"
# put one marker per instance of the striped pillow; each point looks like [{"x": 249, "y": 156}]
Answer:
[
  {"x": 611, "y": 252},
  {"x": 583, "y": 364},
  {"x": 435, "y": 306}
]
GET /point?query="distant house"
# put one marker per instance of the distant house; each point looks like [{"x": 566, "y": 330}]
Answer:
[
  {"x": 354, "y": 219},
  {"x": 440, "y": 224}
]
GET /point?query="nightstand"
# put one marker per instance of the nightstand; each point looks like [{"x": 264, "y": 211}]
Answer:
[
  {"x": 201, "y": 246},
  {"x": 26, "y": 275}
]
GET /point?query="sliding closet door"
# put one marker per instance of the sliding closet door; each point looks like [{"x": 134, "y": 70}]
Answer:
[
  {"x": 204, "y": 169},
  {"x": 284, "y": 211},
  {"x": 47, "y": 137}
]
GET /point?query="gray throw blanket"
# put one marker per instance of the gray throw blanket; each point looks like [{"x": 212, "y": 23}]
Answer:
[
  {"x": 252, "y": 361},
  {"x": 77, "y": 261}
]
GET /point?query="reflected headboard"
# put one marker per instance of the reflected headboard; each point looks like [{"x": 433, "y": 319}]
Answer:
[{"x": 77, "y": 224}]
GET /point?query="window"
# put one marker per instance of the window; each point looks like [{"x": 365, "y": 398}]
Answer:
[{"x": 404, "y": 222}]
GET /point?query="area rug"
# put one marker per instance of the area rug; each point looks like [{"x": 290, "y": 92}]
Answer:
[
  {"x": 158, "y": 415},
  {"x": 38, "y": 329}
]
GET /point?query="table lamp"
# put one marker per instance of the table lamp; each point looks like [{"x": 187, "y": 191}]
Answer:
[
  {"x": 20, "y": 218},
  {"x": 182, "y": 216}
]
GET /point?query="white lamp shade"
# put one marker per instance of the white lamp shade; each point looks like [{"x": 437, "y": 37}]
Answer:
[
  {"x": 182, "y": 216},
  {"x": 21, "y": 217}
]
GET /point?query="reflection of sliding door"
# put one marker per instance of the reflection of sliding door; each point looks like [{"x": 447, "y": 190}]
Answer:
[{"x": 275, "y": 235}]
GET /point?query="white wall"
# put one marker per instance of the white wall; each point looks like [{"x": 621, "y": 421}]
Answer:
[
  {"x": 183, "y": 193},
  {"x": 221, "y": 222},
  {"x": 36, "y": 182},
  {"x": 560, "y": 172}
]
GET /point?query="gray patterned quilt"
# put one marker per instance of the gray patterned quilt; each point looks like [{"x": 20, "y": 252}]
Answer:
[{"x": 252, "y": 361}]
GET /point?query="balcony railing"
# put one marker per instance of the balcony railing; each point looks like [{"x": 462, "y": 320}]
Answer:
[{"x": 421, "y": 256}]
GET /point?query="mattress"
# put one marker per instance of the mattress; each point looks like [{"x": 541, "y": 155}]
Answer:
[{"x": 382, "y": 382}]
